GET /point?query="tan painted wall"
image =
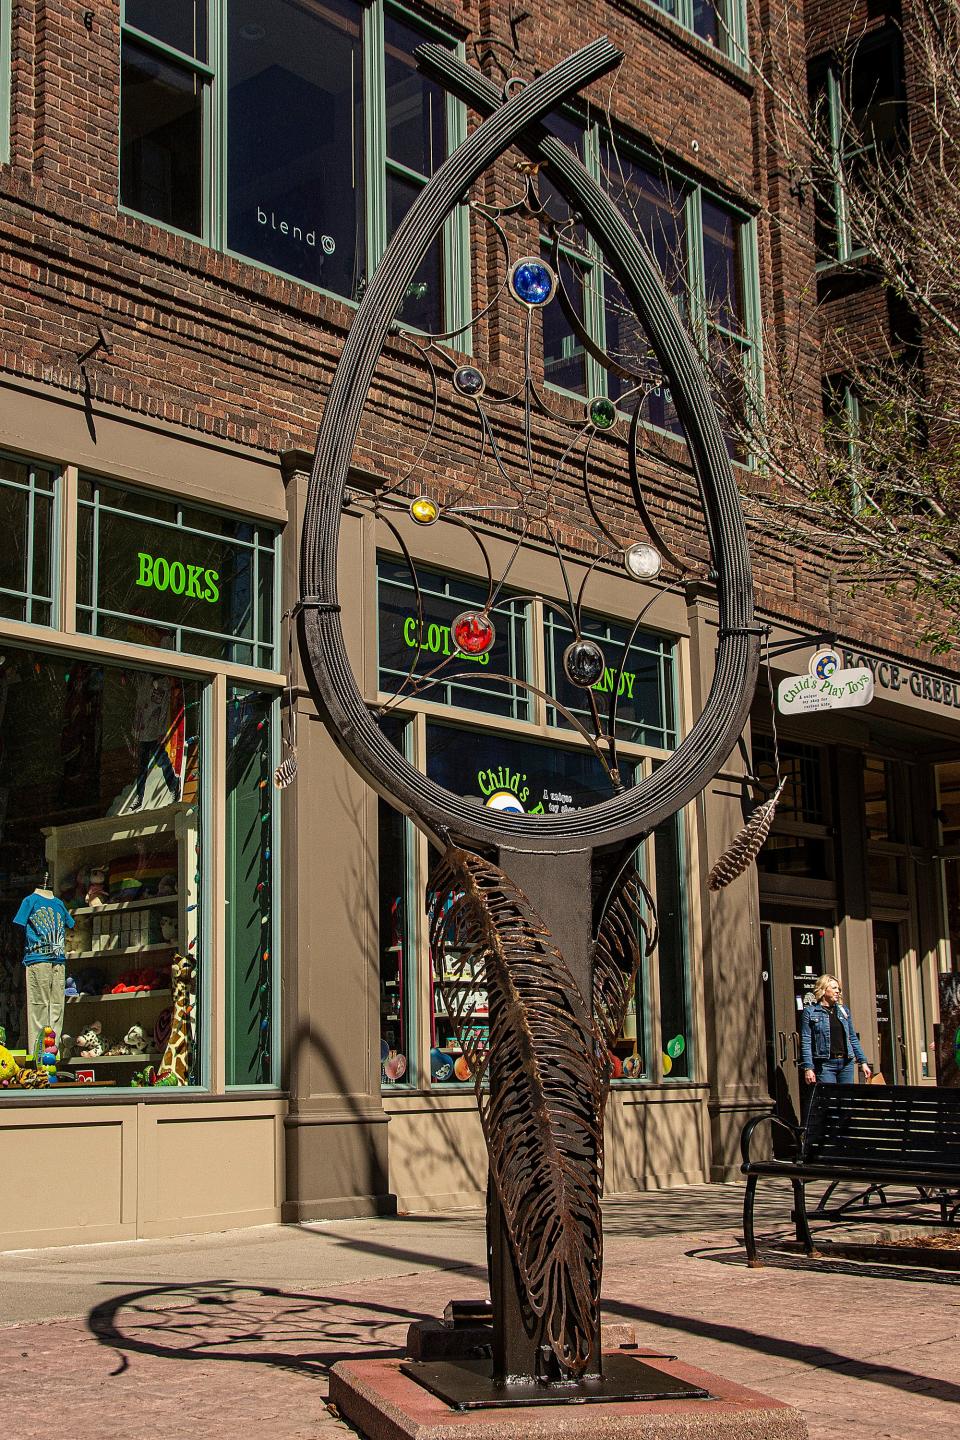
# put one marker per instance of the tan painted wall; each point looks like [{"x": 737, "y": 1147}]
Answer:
[
  {"x": 84, "y": 1172},
  {"x": 655, "y": 1138}
]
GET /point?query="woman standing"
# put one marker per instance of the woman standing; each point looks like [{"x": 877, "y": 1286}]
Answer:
[{"x": 829, "y": 1046}]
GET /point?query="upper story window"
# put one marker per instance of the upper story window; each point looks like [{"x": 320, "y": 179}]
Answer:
[
  {"x": 721, "y": 23},
  {"x": 296, "y": 136},
  {"x": 706, "y": 252},
  {"x": 153, "y": 571},
  {"x": 28, "y": 515},
  {"x": 859, "y": 112}
]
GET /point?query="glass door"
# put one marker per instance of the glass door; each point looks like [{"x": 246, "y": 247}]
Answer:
[{"x": 887, "y": 955}]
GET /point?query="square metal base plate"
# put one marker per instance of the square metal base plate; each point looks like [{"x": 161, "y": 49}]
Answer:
[{"x": 469, "y": 1385}]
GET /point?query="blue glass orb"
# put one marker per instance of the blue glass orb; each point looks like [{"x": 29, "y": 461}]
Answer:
[{"x": 532, "y": 282}]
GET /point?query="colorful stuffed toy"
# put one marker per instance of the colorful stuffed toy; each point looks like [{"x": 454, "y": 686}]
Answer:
[
  {"x": 90, "y": 1044},
  {"x": 9, "y": 1069},
  {"x": 97, "y": 892}
]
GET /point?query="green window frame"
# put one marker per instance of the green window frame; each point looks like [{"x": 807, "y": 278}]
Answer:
[
  {"x": 254, "y": 545},
  {"x": 208, "y": 74},
  {"x": 6, "y": 77},
  {"x": 252, "y": 913},
  {"x": 713, "y": 319},
  {"x": 720, "y": 23},
  {"x": 850, "y": 131},
  {"x": 452, "y": 593},
  {"x": 30, "y": 503}
]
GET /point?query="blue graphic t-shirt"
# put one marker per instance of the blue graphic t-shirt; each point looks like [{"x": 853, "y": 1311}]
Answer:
[{"x": 45, "y": 920}]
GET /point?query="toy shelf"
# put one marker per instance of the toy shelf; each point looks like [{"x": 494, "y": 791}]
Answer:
[
  {"x": 125, "y": 995},
  {"x": 106, "y": 954},
  {"x": 110, "y": 906},
  {"x": 91, "y": 1060}
]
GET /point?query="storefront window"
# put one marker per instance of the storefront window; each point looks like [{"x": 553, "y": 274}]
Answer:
[
  {"x": 27, "y": 519},
  {"x": 152, "y": 571},
  {"x": 645, "y": 690},
  {"x": 799, "y": 845},
  {"x": 880, "y": 799},
  {"x": 672, "y": 951},
  {"x": 100, "y": 873},
  {"x": 251, "y": 847},
  {"x": 439, "y": 672}
]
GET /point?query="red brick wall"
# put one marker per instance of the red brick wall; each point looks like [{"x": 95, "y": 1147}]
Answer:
[{"x": 218, "y": 346}]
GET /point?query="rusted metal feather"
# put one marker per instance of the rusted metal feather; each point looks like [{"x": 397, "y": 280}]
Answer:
[
  {"x": 746, "y": 844},
  {"x": 541, "y": 1114},
  {"x": 626, "y": 937}
]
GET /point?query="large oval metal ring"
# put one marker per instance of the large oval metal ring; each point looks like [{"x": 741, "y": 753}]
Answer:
[{"x": 333, "y": 685}]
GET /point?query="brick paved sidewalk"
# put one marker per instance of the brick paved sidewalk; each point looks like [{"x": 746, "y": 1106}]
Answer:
[{"x": 860, "y": 1349}]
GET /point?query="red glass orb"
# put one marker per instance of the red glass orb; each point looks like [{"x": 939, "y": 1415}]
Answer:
[{"x": 473, "y": 632}]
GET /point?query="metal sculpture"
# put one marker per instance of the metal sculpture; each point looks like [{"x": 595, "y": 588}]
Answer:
[{"x": 545, "y": 913}]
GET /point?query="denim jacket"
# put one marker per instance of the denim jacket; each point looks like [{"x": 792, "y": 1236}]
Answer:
[{"x": 815, "y": 1034}]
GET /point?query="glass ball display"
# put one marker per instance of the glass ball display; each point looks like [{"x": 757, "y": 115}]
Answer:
[
  {"x": 473, "y": 632},
  {"x": 532, "y": 281},
  {"x": 424, "y": 510},
  {"x": 642, "y": 561},
  {"x": 602, "y": 412},
  {"x": 468, "y": 380},
  {"x": 583, "y": 663}
]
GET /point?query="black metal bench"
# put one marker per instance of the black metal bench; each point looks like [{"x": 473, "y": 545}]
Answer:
[{"x": 877, "y": 1135}]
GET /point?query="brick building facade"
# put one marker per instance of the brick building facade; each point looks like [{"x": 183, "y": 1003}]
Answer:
[{"x": 194, "y": 198}]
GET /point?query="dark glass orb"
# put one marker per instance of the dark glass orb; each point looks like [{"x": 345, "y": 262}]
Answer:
[
  {"x": 469, "y": 380},
  {"x": 602, "y": 412},
  {"x": 532, "y": 281},
  {"x": 583, "y": 663}
]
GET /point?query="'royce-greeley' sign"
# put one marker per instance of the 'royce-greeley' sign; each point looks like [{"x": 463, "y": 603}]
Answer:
[{"x": 890, "y": 676}]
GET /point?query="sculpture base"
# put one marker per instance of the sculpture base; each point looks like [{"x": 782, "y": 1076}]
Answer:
[
  {"x": 468, "y": 1385},
  {"x": 384, "y": 1403}
]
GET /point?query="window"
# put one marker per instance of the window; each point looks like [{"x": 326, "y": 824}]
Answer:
[
  {"x": 153, "y": 571},
  {"x": 721, "y": 23},
  {"x": 543, "y": 770},
  {"x": 799, "y": 844},
  {"x": 28, "y": 522},
  {"x": 442, "y": 598},
  {"x": 296, "y": 136},
  {"x": 858, "y": 108},
  {"x": 101, "y": 868},
  {"x": 252, "y": 845},
  {"x": 706, "y": 252},
  {"x": 645, "y": 686}
]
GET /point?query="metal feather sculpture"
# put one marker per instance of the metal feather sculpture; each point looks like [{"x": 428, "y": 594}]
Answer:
[
  {"x": 543, "y": 1074},
  {"x": 542, "y": 1119},
  {"x": 746, "y": 844},
  {"x": 620, "y": 951}
]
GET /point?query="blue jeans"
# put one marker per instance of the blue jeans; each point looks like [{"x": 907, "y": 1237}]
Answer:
[{"x": 834, "y": 1072}]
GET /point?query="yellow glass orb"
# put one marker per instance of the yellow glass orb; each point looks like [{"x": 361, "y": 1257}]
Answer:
[{"x": 424, "y": 510}]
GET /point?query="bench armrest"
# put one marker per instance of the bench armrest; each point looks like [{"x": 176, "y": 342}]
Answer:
[{"x": 746, "y": 1135}]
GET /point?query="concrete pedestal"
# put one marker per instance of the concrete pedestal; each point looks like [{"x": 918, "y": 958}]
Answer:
[{"x": 384, "y": 1404}]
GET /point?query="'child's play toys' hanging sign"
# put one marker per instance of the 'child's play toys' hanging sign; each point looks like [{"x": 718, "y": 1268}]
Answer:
[{"x": 826, "y": 686}]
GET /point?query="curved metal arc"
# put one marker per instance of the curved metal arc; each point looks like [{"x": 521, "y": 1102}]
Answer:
[{"x": 327, "y": 664}]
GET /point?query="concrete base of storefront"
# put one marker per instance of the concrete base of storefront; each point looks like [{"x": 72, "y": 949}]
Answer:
[{"x": 383, "y": 1403}]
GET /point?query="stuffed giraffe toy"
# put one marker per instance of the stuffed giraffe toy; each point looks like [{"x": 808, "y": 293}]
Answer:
[{"x": 178, "y": 1054}]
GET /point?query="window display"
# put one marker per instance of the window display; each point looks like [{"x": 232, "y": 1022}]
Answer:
[{"x": 100, "y": 871}]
